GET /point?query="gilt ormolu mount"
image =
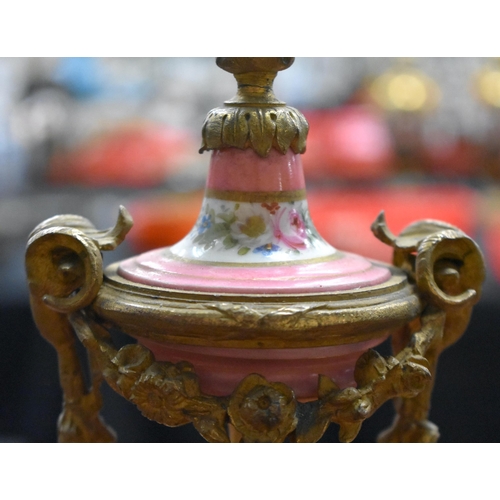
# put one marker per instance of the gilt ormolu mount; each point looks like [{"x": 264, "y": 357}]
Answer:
[{"x": 253, "y": 328}]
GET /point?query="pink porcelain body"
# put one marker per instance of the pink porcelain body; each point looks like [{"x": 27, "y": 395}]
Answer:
[
  {"x": 235, "y": 170},
  {"x": 220, "y": 370},
  {"x": 254, "y": 236},
  {"x": 287, "y": 256}
]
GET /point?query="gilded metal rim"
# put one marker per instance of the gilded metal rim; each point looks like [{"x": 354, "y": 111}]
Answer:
[{"x": 255, "y": 321}]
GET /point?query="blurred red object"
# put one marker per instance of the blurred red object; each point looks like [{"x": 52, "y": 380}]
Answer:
[
  {"x": 136, "y": 155},
  {"x": 344, "y": 217},
  {"x": 492, "y": 247},
  {"x": 454, "y": 157},
  {"x": 352, "y": 143},
  {"x": 163, "y": 221},
  {"x": 491, "y": 229}
]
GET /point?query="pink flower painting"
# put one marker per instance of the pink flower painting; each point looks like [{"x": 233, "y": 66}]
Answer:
[{"x": 291, "y": 230}]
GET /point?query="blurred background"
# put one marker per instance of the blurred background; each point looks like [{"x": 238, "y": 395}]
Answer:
[{"x": 416, "y": 137}]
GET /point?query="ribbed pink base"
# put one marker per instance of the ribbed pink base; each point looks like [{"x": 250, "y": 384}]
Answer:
[{"x": 348, "y": 272}]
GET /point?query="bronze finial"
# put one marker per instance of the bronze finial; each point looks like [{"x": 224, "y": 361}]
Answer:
[
  {"x": 255, "y": 118},
  {"x": 255, "y": 77}
]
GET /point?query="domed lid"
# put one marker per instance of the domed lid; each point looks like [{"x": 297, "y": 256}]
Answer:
[{"x": 254, "y": 234}]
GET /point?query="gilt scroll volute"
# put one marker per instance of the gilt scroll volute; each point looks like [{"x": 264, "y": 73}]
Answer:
[
  {"x": 447, "y": 268},
  {"x": 65, "y": 272}
]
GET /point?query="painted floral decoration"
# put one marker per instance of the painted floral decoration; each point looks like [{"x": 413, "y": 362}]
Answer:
[
  {"x": 266, "y": 249},
  {"x": 260, "y": 228}
]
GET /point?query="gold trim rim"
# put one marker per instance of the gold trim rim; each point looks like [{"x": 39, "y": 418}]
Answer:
[{"x": 256, "y": 196}]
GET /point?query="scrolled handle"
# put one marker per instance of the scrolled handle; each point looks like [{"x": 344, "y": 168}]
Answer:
[
  {"x": 449, "y": 269},
  {"x": 447, "y": 265},
  {"x": 64, "y": 267}
]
